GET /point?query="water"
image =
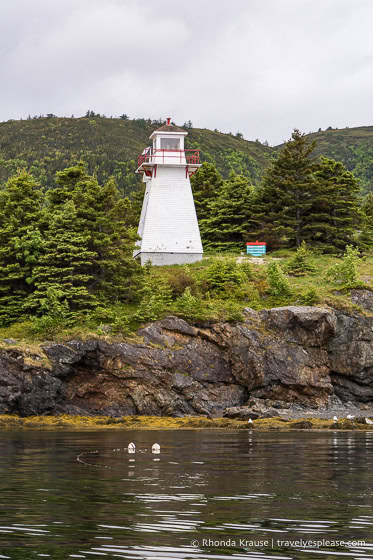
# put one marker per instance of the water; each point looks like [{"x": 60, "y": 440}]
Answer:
[{"x": 208, "y": 495}]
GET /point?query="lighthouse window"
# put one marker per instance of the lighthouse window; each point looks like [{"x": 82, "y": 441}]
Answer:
[{"x": 170, "y": 143}]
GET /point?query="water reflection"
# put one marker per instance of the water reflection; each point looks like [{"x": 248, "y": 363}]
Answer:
[{"x": 210, "y": 495}]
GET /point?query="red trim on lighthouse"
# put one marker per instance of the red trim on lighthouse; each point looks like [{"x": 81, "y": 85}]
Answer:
[{"x": 168, "y": 120}]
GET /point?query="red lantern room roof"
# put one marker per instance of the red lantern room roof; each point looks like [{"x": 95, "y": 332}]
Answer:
[{"x": 169, "y": 128}]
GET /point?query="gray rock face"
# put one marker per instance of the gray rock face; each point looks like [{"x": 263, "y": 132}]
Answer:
[
  {"x": 277, "y": 358},
  {"x": 364, "y": 298},
  {"x": 254, "y": 409},
  {"x": 241, "y": 413}
]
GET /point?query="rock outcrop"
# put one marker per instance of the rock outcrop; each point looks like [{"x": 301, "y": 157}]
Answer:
[{"x": 277, "y": 358}]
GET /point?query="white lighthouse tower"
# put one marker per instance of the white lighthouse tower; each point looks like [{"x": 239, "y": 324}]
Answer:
[{"x": 168, "y": 225}]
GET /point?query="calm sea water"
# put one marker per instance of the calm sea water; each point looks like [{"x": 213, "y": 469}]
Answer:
[{"x": 208, "y": 495}]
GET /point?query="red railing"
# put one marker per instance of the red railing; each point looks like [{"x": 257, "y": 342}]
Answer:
[{"x": 169, "y": 156}]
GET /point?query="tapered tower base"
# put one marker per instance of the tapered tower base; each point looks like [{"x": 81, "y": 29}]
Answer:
[{"x": 168, "y": 225}]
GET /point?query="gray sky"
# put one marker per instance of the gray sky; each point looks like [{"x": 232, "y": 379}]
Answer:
[{"x": 261, "y": 67}]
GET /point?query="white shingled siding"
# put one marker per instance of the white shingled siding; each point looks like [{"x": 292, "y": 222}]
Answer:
[
  {"x": 161, "y": 259},
  {"x": 144, "y": 207},
  {"x": 168, "y": 220}
]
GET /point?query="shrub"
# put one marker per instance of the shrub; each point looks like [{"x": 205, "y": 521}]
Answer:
[
  {"x": 231, "y": 311},
  {"x": 188, "y": 305},
  {"x": 224, "y": 275},
  {"x": 180, "y": 279},
  {"x": 223, "y": 310},
  {"x": 156, "y": 298},
  {"x": 114, "y": 316},
  {"x": 55, "y": 313},
  {"x": 345, "y": 272},
  {"x": 246, "y": 269},
  {"x": 252, "y": 297},
  {"x": 278, "y": 284},
  {"x": 301, "y": 262},
  {"x": 309, "y": 297}
]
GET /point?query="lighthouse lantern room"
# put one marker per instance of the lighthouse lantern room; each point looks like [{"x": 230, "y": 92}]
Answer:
[{"x": 168, "y": 226}]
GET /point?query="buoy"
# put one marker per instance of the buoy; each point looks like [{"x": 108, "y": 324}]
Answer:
[
  {"x": 250, "y": 421},
  {"x": 368, "y": 421},
  {"x": 131, "y": 448},
  {"x": 156, "y": 448},
  {"x": 335, "y": 419}
]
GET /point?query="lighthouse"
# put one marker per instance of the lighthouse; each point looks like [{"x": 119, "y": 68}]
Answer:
[{"x": 168, "y": 226}]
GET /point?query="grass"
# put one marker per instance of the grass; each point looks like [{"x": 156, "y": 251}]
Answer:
[{"x": 61, "y": 422}]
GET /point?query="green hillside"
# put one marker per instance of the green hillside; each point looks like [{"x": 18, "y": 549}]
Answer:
[
  {"x": 352, "y": 146},
  {"x": 110, "y": 147}
]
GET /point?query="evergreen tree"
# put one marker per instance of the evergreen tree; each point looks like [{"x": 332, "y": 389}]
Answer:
[
  {"x": 334, "y": 215},
  {"x": 64, "y": 264},
  {"x": 301, "y": 263},
  {"x": 88, "y": 243},
  {"x": 345, "y": 272},
  {"x": 285, "y": 197},
  {"x": 112, "y": 238},
  {"x": 20, "y": 244},
  {"x": 229, "y": 215},
  {"x": 366, "y": 233},
  {"x": 136, "y": 202},
  {"x": 278, "y": 283},
  {"x": 206, "y": 184},
  {"x": 367, "y": 207}
]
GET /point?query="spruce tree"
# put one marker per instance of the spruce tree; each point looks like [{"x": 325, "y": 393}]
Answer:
[
  {"x": 366, "y": 233},
  {"x": 367, "y": 207},
  {"x": 88, "y": 244},
  {"x": 334, "y": 216},
  {"x": 206, "y": 184},
  {"x": 301, "y": 263},
  {"x": 278, "y": 283},
  {"x": 285, "y": 196},
  {"x": 136, "y": 201},
  {"x": 229, "y": 215},
  {"x": 108, "y": 219},
  {"x": 64, "y": 265},
  {"x": 20, "y": 244}
]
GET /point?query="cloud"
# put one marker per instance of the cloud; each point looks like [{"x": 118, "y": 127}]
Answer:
[{"x": 260, "y": 67}]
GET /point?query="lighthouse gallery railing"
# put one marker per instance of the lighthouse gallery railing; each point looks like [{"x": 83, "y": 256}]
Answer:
[{"x": 163, "y": 156}]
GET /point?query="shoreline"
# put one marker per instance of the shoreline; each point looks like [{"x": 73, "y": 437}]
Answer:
[{"x": 67, "y": 422}]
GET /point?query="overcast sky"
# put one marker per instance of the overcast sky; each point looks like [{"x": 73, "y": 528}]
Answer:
[{"x": 261, "y": 67}]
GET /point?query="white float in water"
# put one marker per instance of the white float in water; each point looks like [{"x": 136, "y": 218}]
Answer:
[
  {"x": 250, "y": 421},
  {"x": 350, "y": 417},
  {"x": 156, "y": 448},
  {"x": 335, "y": 419},
  {"x": 368, "y": 421},
  {"x": 131, "y": 448}
]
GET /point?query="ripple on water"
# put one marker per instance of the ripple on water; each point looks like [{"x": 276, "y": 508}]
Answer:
[{"x": 263, "y": 486}]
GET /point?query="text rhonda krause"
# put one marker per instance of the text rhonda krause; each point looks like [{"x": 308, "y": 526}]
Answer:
[{"x": 300, "y": 543}]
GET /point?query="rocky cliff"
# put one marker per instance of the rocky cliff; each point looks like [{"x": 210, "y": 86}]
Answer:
[{"x": 289, "y": 356}]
